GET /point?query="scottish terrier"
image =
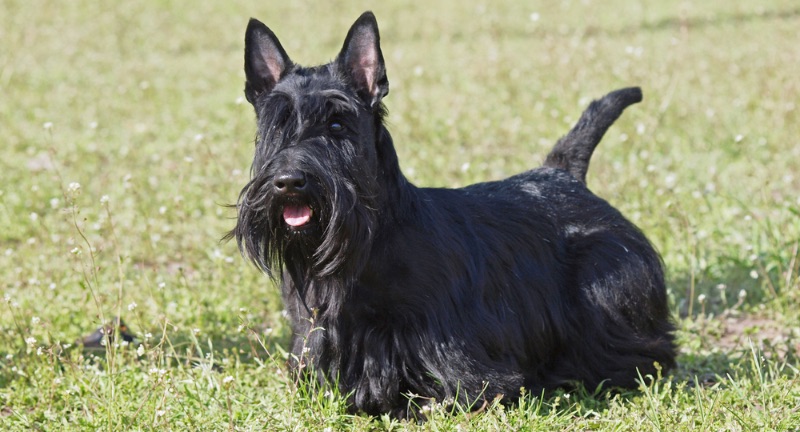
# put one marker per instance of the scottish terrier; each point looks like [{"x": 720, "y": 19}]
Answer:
[{"x": 401, "y": 295}]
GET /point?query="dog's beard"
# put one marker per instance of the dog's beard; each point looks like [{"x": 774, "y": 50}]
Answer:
[{"x": 327, "y": 231}]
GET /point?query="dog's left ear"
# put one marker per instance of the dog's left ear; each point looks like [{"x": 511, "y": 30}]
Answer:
[{"x": 361, "y": 60}]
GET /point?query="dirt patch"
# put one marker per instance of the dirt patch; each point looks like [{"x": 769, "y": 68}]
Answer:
[{"x": 767, "y": 334}]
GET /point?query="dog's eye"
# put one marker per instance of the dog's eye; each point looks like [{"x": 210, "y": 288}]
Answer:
[{"x": 335, "y": 127}]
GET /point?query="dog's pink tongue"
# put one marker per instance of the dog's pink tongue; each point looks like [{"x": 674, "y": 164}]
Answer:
[{"x": 296, "y": 215}]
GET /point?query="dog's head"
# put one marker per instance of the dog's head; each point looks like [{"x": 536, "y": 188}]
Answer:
[{"x": 312, "y": 198}]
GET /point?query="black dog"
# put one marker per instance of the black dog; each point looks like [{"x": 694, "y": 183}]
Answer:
[{"x": 401, "y": 295}]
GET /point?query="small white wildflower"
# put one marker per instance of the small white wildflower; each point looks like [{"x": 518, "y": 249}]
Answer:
[
  {"x": 306, "y": 349},
  {"x": 93, "y": 125},
  {"x": 534, "y": 16},
  {"x": 132, "y": 306},
  {"x": 198, "y": 137},
  {"x": 162, "y": 210},
  {"x": 148, "y": 335},
  {"x": 242, "y": 310},
  {"x": 227, "y": 379},
  {"x": 160, "y": 413},
  {"x": 9, "y": 356},
  {"x": 268, "y": 331},
  {"x": 465, "y": 167},
  {"x": 753, "y": 274},
  {"x": 566, "y": 396},
  {"x": 153, "y": 371},
  {"x": 196, "y": 331},
  {"x": 54, "y": 203},
  {"x": 47, "y": 125},
  {"x": 722, "y": 287},
  {"x": 104, "y": 199},
  {"x": 742, "y": 294},
  {"x": 738, "y": 138},
  {"x": 418, "y": 71},
  {"x": 74, "y": 187},
  {"x": 34, "y": 216},
  {"x": 75, "y": 251},
  {"x": 239, "y": 100},
  {"x": 39, "y": 351},
  {"x": 30, "y": 340},
  {"x": 140, "y": 350},
  {"x": 240, "y": 328},
  {"x": 670, "y": 180},
  {"x": 57, "y": 381},
  {"x": 52, "y": 286},
  {"x": 162, "y": 284},
  {"x": 701, "y": 298},
  {"x": 35, "y": 320}
]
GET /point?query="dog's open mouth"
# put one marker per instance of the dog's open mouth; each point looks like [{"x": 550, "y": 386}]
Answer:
[{"x": 297, "y": 215}]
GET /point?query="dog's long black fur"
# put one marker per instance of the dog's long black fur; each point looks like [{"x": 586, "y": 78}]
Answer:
[{"x": 401, "y": 295}]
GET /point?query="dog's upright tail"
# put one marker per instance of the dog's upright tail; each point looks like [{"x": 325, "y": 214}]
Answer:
[{"x": 573, "y": 151}]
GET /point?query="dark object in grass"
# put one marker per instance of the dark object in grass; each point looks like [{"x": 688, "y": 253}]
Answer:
[
  {"x": 107, "y": 333},
  {"x": 402, "y": 295}
]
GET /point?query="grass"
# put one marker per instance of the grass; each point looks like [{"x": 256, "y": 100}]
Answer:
[{"x": 125, "y": 134}]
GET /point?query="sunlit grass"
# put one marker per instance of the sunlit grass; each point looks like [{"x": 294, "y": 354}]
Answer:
[{"x": 125, "y": 135}]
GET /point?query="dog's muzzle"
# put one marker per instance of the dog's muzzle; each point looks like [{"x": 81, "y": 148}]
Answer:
[{"x": 292, "y": 186}]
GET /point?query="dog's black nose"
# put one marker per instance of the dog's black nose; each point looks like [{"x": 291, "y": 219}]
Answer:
[{"x": 290, "y": 181}]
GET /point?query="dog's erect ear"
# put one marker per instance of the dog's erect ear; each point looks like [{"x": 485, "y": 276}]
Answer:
[
  {"x": 361, "y": 60},
  {"x": 265, "y": 61}
]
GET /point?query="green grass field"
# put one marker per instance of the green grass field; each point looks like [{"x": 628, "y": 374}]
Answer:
[{"x": 125, "y": 134}]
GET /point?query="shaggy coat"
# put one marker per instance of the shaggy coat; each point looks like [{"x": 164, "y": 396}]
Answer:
[{"x": 402, "y": 295}]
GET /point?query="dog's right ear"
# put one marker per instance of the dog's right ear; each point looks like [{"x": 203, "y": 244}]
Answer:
[{"x": 265, "y": 61}]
